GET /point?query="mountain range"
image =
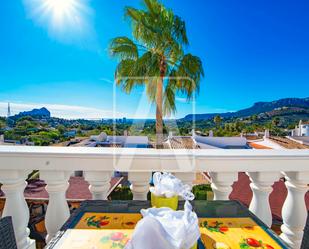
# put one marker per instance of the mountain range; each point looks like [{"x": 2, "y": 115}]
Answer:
[
  {"x": 291, "y": 108},
  {"x": 299, "y": 105},
  {"x": 39, "y": 113}
]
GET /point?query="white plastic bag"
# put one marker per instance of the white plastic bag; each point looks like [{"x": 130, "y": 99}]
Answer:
[
  {"x": 167, "y": 185},
  {"x": 164, "y": 228}
]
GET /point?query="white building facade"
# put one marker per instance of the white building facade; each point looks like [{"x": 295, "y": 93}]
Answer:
[{"x": 302, "y": 130}]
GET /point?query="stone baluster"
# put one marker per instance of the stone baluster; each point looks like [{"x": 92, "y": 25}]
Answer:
[
  {"x": 221, "y": 184},
  {"x": 139, "y": 184},
  {"x": 99, "y": 183},
  {"x": 58, "y": 210},
  {"x": 294, "y": 211},
  {"x": 261, "y": 186},
  {"x": 15, "y": 205}
]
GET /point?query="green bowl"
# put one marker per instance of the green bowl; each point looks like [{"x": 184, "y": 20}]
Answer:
[{"x": 159, "y": 201}]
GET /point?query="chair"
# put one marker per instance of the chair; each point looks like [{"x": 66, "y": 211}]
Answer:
[
  {"x": 305, "y": 242},
  {"x": 7, "y": 235}
]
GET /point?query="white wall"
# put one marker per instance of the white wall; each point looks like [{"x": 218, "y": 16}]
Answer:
[
  {"x": 305, "y": 130},
  {"x": 222, "y": 142}
]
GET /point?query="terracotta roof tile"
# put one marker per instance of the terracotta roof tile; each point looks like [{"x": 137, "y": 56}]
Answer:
[
  {"x": 78, "y": 189},
  {"x": 288, "y": 144},
  {"x": 182, "y": 143},
  {"x": 258, "y": 146}
]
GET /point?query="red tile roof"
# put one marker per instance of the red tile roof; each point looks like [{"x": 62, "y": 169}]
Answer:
[
  {"x": 181, "y": 142},
  {"x": 258, "y": 146},
  {"x": 78, "y": 189},
  {"x": 288, "y": 143}
]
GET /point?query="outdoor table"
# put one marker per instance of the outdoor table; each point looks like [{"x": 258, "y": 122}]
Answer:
[{"x": 220, "y": 222}]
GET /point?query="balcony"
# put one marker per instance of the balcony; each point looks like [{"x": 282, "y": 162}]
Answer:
[{"x": 56, "y": 164}]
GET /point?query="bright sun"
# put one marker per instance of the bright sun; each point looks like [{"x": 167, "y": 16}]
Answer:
[
  {"x": 60, "y": 16},
  {"x": 62, "y": 11},
  {"x": 60, "y": 7}
]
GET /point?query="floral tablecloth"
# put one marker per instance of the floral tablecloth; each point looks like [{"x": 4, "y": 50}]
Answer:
[{"x": 109, "y": 225}]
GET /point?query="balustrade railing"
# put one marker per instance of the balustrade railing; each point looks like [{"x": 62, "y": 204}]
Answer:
[{"x": 56, "y": 164}]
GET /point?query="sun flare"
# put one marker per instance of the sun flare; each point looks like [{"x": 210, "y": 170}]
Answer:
[
  {"x": 61, "y": 11},
  {"x": 61, "y": 17}
]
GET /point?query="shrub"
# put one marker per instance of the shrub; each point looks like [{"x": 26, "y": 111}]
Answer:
[
  {"x": 200, "y": 191},
  {"x": 125, "y": 193}
]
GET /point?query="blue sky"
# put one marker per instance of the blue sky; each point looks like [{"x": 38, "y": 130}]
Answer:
[{"x": 251, "y": 50}]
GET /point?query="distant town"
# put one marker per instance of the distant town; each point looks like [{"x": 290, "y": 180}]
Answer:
[{"x": 281, "y": 123}]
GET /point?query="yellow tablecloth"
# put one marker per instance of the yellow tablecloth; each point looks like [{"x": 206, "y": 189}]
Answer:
[{"x": 216, "y": 233}]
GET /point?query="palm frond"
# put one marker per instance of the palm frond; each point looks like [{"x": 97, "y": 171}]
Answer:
[
  {"x": 187, "y": 75},
  {"x": 133, "y": 13},
  {"x": 169, "y": 105},
  {"x": 174, "y": 52},
  {"x": 124, "y": 48},
  {"x": 125, "y": 75},
  {"x": 132, "y": 72},
  {"x": 149, "y": 64},
  {"x": 179, "y": 30},
  {"x": 153, "y": 7},
  {"x": 193, "y": 67}
]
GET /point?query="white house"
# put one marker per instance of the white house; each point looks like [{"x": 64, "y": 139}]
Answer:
[
  {"x": 121, "y": 141},
  {"x": 302, "y": 130},
  {"x": 221, "y": 142}
]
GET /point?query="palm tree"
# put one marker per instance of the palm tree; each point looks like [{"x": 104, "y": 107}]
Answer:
[{"x": 156, "y": 58}]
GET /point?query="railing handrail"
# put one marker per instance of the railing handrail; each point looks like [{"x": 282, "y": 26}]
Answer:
[{"x": 147, "y": 160}]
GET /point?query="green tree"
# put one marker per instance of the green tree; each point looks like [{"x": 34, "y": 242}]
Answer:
[
  {"x": 26, "y": 122},
  {"x": 254, "y": 117},
  {"x": 217, "y": 120},
  {"x": 239, "y": 126},
  {"x": 2, "y": 123},
  {"x": 291, "y": 126},
  {"x": 269, "y": 126},
  {"x": 61, "y": 129},
  {"x": 156, "y": 58},
  {"x": 276, "y": 121}
]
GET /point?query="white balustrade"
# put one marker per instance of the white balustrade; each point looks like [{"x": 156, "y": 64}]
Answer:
[
  {"x": 294, "y": 211},
  {"x": 261, "y": 186},
  {"x": 57, "y": 163},
  {"x": 221, "y": 184},
  {"x": 15, "y": 205},
  {"x": 139, "y": 184},
  {"x": 58, "y": 210},
  {"x": 99, "y": 183}
]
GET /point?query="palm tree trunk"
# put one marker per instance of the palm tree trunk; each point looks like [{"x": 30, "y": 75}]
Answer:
[{"x": 159, "y": 118}]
